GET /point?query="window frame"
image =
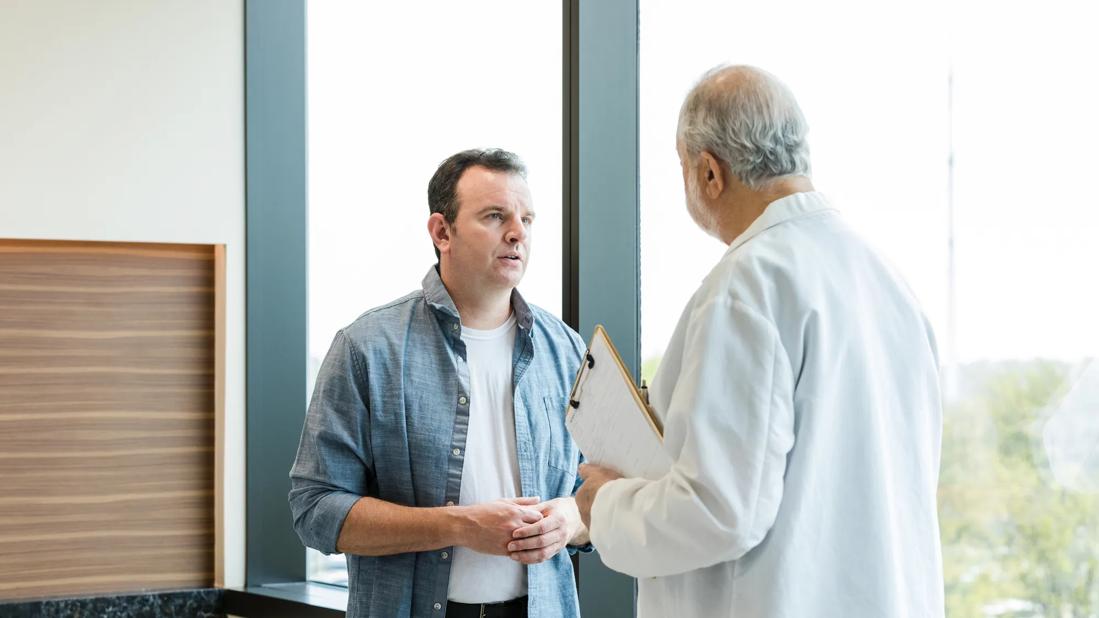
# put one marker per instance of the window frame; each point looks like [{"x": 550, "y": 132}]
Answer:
[{"x": 275, "y": 237}]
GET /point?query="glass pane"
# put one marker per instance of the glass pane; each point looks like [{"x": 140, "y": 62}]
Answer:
[
  {"x": 847, "y": 96},
  {"x": 889, "y": 96},
  {"x": 395, "y": 88},
  {"x": 1018, "y": 495}
]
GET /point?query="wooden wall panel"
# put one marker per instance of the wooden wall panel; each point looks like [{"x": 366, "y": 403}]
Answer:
[{"x": 108, "y": 361}]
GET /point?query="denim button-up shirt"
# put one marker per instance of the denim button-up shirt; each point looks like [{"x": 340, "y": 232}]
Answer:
[{"x": 388, "y": 419}]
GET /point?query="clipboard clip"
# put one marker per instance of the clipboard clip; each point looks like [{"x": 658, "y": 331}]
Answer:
[{"x": 574, "y": 397}]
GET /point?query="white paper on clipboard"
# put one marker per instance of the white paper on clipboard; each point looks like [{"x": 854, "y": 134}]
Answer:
[{"x": 608, "y": 419}]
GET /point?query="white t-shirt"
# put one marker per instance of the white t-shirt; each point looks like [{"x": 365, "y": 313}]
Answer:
[{"x": 491, "y": 467}]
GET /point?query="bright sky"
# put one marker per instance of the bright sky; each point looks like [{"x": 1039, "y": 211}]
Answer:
[
  {"x": 395, "y": 88},
  {"x": 872, "y": 80}
]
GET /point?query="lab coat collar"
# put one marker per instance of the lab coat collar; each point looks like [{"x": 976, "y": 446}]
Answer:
[{"x": 782, "y": 210}]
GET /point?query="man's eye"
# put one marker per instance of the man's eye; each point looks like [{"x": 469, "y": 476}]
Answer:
[{"x": 496, "y": 216}]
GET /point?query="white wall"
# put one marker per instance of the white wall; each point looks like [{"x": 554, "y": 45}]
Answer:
[{"x": 124, "y": 120}]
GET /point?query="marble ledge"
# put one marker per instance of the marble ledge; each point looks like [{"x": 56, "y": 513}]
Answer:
[{"x": 200, "y": 603}]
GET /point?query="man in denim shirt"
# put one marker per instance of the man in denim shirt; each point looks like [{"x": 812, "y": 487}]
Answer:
[{"x": 434, "y": 452}]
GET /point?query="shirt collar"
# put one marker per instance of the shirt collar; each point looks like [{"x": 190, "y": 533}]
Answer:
[
  {"x": 782, "y": 210},
  {"x": 439, "y": 299}
]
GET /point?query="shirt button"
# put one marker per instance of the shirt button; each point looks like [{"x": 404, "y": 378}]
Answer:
[
  {"x": 445, "y": 555},
  {"x": 438, "y": 606},
  {"x": 462, "y": 400},
  {"x": 450, "y": 503},
  {"x": 457, "y": 451}
]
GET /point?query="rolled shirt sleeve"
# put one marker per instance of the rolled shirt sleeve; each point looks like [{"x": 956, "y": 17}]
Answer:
[
  {"x": 586, "y": 547},
  {"x": 728, "y": 428},
  {"x": 334, "y": 465}
]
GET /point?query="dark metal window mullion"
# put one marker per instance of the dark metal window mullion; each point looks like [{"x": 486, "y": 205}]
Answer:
[
  {"x": 601, "y": 222},
  {"x": 276, "y": 217}
]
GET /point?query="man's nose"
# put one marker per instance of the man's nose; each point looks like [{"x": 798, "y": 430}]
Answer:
[{"x": 517, "y": 231}]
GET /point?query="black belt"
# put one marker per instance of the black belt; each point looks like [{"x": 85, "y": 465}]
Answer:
[{"x": 515, "y": 608}]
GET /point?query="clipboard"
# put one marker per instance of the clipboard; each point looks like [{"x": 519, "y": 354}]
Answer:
[{"x": 610, "y": 419}]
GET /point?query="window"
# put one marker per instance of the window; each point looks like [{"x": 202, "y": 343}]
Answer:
[
  {"x": 890, "y": 94},
  {"x": 393, "y": 90}
]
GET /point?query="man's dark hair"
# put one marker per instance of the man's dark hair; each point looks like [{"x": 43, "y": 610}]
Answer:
[{"x": 442, "y": 191}]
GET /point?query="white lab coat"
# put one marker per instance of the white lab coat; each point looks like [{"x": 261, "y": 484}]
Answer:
[{"x": 800, "y": 400}]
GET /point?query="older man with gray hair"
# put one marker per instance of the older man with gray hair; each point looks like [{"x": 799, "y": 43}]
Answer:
[{"x": 799, "y": 396}]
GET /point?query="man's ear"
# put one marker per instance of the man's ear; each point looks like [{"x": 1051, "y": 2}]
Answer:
[
  {"x": 713, "y": 175},
  {"x": 440, "y": 231}
]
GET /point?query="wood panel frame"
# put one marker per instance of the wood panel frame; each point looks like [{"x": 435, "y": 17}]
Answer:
[{"x": 112, "y": 383}]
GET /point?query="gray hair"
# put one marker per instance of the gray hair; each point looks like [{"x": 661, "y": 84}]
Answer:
[{"x": 754, "y": 124}]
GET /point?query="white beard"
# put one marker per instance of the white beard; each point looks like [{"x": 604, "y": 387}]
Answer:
[{"x": 702, "y": 217}]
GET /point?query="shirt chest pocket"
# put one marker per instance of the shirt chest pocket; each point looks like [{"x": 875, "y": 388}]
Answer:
[{"x": 560, "y": 451}]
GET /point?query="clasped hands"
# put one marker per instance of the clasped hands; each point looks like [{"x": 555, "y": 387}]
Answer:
[
  {"x": 529, "y": 531},
  {"x": 525, "y": 529}
]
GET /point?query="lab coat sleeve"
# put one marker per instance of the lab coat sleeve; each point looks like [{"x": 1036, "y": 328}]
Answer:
[{"x": 731, "y": 408}]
